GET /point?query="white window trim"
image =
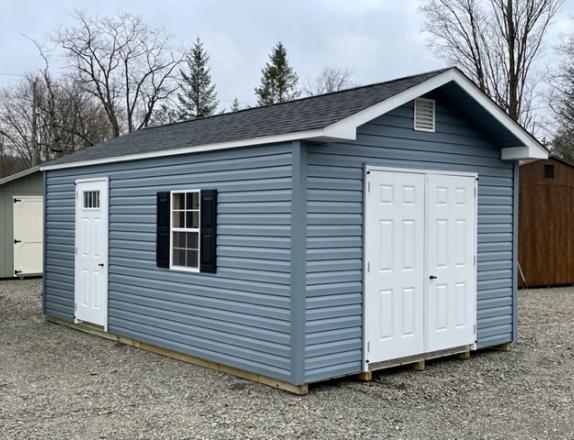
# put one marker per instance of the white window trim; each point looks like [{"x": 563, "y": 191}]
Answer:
[
  {"x": 172, "y": 230},
  {"x": 428, "y": 130}
]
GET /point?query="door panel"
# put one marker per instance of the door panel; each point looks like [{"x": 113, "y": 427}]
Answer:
[
  {"x": 420, "y": 275},
  {"x": 28, "y": 235},
  {"x": 91, "y": 283},
  {"x": 394, "y": 279},
  {"x": 451, "y": 243}
]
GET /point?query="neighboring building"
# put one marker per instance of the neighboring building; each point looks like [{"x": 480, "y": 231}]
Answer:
[
  {"x": 21, "y": 242},
  {"x": 546, "y": 244},
  {"x": 298, "y": 242}
]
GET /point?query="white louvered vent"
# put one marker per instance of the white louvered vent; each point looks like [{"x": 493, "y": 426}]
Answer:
[{"x": 424, "y": 114}]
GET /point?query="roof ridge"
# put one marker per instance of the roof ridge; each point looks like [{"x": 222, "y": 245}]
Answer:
[{"x": 171, "y": 124}]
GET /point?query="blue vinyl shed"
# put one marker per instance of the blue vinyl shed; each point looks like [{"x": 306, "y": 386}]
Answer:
[{"x": 294, "y": 243}]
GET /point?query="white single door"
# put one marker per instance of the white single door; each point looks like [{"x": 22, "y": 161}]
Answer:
[
  {"x": 91, "y": 274},
  {"x": 451, "y": 248},
  {"x": 394, "y": 276},
  {"x": 28, "y": 235}
]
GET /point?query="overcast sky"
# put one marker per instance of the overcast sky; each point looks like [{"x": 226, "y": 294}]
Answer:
[{"x": 376, "y": 39}]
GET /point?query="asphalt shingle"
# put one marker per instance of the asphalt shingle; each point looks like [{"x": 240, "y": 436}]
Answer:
[{"x": 299, "y": 115}]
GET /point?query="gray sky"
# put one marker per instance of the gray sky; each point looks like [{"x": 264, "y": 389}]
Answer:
[{"x": 376, "y": 39}]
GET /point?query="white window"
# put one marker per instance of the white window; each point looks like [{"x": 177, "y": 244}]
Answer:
[
  {"x": 425, "y": 114},
  {"x": 185, "y": 227},
  {"x": 91, "y": 199}
]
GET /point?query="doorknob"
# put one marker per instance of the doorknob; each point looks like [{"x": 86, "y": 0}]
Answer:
[
  {"x": 101, "y": 264},
  {"x": 432, "y": 277}
]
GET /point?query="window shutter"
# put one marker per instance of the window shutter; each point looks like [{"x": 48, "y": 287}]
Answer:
[
  {"x": 162, "y": 229},
  {"x": 208, "y": 262}
]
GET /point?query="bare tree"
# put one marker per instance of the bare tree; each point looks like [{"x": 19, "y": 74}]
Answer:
[
  {"x": 495, "y": 42},
  {"x": 41, "y": 117},
  {"x": 562, "y": 100},
  {"x": 125, "y": 64},
  {"x": 330, "y": 79}
]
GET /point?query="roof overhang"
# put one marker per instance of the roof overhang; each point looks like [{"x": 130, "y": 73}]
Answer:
[
  {"x": 346, "y": 129},
  {"x": 19, "y": 175}
]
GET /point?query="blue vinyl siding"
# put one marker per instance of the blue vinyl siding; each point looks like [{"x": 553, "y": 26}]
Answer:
[
  {"x": 334, "y": 291},
  {"x": 239, "y": 316}
]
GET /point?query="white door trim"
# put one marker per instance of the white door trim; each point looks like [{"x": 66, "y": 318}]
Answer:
[
  {"x": 420, "y": 171},
  {"x": 105, "y": 239},
  {"x": 41, "y": 220},
  {"x": 366, "y": 212}
]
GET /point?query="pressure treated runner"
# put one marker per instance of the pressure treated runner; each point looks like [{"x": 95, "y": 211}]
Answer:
[{"x": 300, "y": 390}]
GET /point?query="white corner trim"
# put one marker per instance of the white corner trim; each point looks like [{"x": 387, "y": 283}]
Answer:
[{"x": 346, "y": 129}]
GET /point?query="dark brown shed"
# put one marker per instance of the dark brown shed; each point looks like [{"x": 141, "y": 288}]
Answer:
[{"x": 546, "y": 223}]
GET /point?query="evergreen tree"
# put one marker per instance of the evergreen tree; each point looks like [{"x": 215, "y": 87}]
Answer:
[
  {"x": 198, "y": 97},
  {"x": 279, "y": 80},
  {"x": 235, "y": 105}
]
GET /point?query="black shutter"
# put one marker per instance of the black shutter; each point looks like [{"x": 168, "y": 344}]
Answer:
[
  {"x": 162, "y": 230},
  {"x": 208, "y": 262}
]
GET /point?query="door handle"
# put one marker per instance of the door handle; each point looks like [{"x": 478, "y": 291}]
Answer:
[
  {"x": 17, "y": 241},
  {"x": 433, "y": 277},
  {"x": 101, "y": 264}
]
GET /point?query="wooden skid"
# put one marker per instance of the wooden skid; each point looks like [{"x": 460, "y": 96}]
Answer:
[
  {"x": 300, "y": 390},
  {"x": 504, "y": 347},
  {"x": 416, "y": 362}
]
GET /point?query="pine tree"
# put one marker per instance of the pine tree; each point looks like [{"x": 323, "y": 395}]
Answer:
[
  {"x": 235, "y": 106},
  {"x": 198, "y": 97},
  {"x": 279, "y": 80}
]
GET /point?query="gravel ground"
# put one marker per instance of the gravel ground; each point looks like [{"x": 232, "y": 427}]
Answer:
[{"x": 59, "y": 383}]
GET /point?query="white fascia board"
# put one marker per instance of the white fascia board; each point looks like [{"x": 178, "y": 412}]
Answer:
[
  {"x": 522, "y": 153},
  {"x": 318, "y": 135},
  {"x": 533, "y": 150}
]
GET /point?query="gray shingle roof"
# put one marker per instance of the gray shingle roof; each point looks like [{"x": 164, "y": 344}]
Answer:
[{"x": 299, "y": 115}]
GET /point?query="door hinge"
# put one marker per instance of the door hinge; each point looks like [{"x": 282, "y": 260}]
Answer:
[
  {"x": 368, "y": 186},
  {"x": 77, "y": 195},
  {"x": 368, "y": 347},
  {"x": 76, "y": 250},
  {"x": 368, "y": 266},
  {"x": 75, "y": 307},
  {"x": 474, "y": 260}
]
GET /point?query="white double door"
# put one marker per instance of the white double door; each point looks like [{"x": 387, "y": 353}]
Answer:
[
  {"x": 420, "y": 277},
  {"x": 91, "y": 273}
]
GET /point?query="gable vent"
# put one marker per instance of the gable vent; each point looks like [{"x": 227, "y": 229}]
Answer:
[
  {"x": 424, "y": 114},
  {"x": 549, "y": 171}
]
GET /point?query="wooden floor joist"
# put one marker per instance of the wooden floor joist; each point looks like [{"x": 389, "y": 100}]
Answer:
[{"x": 300, "y": 390}]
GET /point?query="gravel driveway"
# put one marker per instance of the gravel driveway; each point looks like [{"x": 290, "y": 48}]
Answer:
[{"x": 59, "y": 383}]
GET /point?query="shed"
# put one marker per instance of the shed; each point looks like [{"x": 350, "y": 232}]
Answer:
[
  {"x": 294, "y": 243},
  {"x": 546, "y": 244},
  {"x": 21, "y": 231}
]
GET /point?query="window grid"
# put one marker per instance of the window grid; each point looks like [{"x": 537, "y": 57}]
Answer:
[
  {"x": 185, "y": 229},
  {"x": 91, "y": 199}
]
